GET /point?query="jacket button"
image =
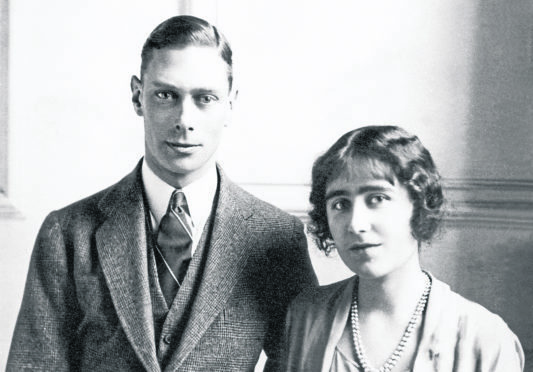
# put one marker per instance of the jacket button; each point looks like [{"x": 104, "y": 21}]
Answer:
[{"x": 167, "y": 339}]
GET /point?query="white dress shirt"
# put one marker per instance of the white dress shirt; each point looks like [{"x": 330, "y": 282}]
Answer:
[{"x": 199, "y": 194}]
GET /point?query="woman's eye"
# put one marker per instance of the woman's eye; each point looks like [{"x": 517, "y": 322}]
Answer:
[
  {"x": 377, "y": 199},
  {"x": 339, "y": 205}
]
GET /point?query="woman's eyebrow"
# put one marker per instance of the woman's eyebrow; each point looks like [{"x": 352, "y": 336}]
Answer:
[
  {"x": 371, "y": 188},
  {"x": 361, "y": 190},
  {"x": 335, "y": 193}
]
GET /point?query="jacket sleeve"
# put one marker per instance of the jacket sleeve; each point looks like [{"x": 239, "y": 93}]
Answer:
[
  {"x": 47, "y": 320},
  {"x": 291, "y": 272}
]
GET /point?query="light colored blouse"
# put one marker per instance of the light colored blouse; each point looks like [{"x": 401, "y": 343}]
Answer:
[
  {"x": 342, "y": 360},
  {"x": 458, "y": 335},
  {"x": 342, "y": 363}
]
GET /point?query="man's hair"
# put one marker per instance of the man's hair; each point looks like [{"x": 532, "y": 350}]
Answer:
[
  {"x": 182, "y": 31},
  {"x": 392, "y": 153}
]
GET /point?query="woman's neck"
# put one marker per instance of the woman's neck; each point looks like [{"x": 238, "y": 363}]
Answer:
[{"x": 394, "y": 294}]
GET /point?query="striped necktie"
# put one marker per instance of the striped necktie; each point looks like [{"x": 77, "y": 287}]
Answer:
[{"x": 174, "y": 246}]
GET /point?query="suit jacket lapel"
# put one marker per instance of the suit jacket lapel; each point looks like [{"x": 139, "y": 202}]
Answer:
[
  {"x": 225, "y": 260},
  {"x": 122, "y": 249}
]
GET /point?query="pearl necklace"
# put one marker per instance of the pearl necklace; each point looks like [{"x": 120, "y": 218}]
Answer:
[{"x": 397, "y": 353}]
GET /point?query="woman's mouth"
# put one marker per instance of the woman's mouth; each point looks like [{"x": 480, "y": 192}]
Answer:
[{"x": 363, "y": 246}]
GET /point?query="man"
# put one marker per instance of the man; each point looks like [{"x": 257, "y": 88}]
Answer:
[{"x": 121, "y": 282}]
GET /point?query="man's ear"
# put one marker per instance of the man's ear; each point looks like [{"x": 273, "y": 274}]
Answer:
[
  {"x": 136, "y": 92},
  {"x": 232, "y": 98}
]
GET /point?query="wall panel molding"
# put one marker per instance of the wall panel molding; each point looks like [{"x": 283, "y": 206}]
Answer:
[
  {"x": 206, "y": 9},
  {"x": 6, "y": 209},
  {"x": 490, "y": 202},
  {"x": 497, "y": 203}
]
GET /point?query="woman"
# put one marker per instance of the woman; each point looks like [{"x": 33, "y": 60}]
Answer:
[{"x": 376, "y": 198}]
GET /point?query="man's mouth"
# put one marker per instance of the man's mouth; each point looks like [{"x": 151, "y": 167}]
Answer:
[{"x": 183, "y": 147}]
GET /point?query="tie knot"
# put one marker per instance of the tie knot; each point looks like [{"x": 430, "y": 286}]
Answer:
[{"x": 178, "y": 202}]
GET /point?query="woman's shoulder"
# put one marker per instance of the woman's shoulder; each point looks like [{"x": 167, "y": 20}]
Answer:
[
  {"x": 479, "y": 330},
  {"x": 472, "y": 315}
]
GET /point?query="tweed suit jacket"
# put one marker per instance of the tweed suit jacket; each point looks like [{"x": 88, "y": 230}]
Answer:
[{"x": 87, "y": 303}]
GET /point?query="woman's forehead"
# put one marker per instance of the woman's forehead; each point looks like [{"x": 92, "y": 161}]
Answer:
[{"x": 364, "y": 168}]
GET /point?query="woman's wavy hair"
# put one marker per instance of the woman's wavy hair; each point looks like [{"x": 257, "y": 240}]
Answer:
[{"x": 404, "y": 158}]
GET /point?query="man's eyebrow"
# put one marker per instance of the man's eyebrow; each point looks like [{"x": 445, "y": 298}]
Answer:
[
  {"x": 160, "y": 84},
  {"x": 204, "y": 90}
]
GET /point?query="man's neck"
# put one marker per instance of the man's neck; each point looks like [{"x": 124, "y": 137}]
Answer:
[
  {"x": 200, "y": 193},
  {"x": 180, "y": 180}
]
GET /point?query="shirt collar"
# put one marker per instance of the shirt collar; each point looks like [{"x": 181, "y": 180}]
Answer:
[{"x": 199, "y": 194}]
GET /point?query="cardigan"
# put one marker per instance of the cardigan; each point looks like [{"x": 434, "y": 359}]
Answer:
[{"x": 458, "y": 334}]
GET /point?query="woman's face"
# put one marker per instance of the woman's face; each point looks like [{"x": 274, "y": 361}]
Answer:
[{"x": 369, "y": 219}]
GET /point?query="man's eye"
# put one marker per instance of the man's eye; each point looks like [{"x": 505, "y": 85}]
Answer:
[
  {"x": 165, "y": 95},
  {"x": 207, "y": 98}
]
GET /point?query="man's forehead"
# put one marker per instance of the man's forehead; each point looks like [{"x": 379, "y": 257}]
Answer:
[
  {"x": 201, "y": 65},
  {"x": 181, "y": 54}
]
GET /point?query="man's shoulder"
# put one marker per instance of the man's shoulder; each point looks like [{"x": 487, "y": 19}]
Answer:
[
  {"x": 257, "y": 206},
  {"x": 261, "y": 206},
  {"x": 87, "y": 202},
  {"x": 93, "y": 204},
  {"x": 322, "y": 296}
]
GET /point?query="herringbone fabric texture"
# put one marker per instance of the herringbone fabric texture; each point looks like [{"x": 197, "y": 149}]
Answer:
[{"x": 88, "y": 305}]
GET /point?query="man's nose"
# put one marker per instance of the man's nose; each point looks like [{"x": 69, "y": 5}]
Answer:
[
  {"x": 360, "y": 219},
  {"x": 186, "y": 115}
]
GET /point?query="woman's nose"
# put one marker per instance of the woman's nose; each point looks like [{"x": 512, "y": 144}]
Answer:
[{"x": 360, "y": 219}]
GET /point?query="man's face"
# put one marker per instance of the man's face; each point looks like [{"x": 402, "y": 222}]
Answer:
[{"x": 185, "y": 100}]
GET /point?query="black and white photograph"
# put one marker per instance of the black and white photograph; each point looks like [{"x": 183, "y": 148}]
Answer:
[{"x": 279, "y": 186}]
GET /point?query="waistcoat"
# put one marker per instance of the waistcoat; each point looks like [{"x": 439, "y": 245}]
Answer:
[{"x": 169, "y": 324}]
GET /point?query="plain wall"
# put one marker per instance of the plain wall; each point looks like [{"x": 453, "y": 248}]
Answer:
[{"x": 456, "y": 73}]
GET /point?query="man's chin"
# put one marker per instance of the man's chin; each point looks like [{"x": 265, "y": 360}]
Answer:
[{"x": 188, "y": 169}]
